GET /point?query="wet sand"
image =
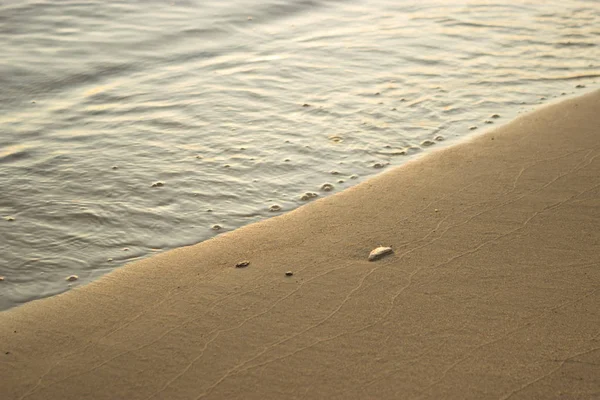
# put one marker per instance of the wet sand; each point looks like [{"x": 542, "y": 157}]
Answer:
[{"x": 492, "y": 290}]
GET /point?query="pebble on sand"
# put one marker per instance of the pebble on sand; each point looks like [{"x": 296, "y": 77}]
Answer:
[
  {"x": 579, "y": 86},
  {"x": 305, "y": 105},
  {"x": 71, "y": 278},
  {"x": 275, "y": 207},
  {"x": 327, "y": 187},
  {"x": 380, "y": 252},
  {"x": 242, "y": 264},
  {"x": 158, "y": 184},
  {"x": 472, "y": 128},
  {"x": 289, "y": 273}
]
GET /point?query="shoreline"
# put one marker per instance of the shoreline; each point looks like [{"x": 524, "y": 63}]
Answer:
[{"x": 490, "y": 291}]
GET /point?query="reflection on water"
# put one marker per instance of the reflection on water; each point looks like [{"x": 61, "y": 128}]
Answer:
[{"x": 130, "y": 127}]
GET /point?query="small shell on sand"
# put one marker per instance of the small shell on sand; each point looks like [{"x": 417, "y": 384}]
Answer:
[
  {"x": 327, "y": 187},
  {"x": 289, "y": 273},
  {"x": 158, "y": 184},
  {"x": 275, "y": 207},
  {"x": 71, "y": 278},
  {"x": 242, "y": 264},
  {"x": 380, "y": 252}
]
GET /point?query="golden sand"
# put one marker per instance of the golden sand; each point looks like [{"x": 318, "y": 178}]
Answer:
[{"x": 492, "y": 291}]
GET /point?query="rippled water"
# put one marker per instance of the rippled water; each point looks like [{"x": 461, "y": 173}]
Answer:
[{"x": 235, "y": 106}]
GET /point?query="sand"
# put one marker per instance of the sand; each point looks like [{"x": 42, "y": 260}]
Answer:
[{"x": 492, "y": 291}]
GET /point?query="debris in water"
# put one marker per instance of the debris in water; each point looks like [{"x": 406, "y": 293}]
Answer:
[{"x": 327, "y": 187}]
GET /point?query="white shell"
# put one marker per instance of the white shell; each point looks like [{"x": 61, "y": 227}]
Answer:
[{"x": 380, "y": 252}]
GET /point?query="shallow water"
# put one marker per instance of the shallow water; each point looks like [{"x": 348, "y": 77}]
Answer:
[{"x": 101, "y": 100}]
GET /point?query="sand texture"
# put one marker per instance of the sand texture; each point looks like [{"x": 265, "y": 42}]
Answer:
[{"x": 491, "y": 292}]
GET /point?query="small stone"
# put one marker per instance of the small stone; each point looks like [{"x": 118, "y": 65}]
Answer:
[
  {"x": 436, "y": 210},
  {"x": 487, "y": 121},
  {"x": 380, "y": 252},
  {"x": 158, "y": 184},
  {"x": 353, "y": 176},
  {"x": 126, "y": 249},
  {"x": 275, "y": 207},
  {"x": 216, "y": 227},
  {"x": 327, "y": 187},
  {"x": 305, "y": 105},
  {"x": 115, "y": 167},
  {"x": 393, "y": 109},
  {"x": 334, "y": 172},
  {"x": 340, "y": 181},
  {"x": 495, "y": 116},
  {"x": 427, "y": 143},
  {"x": 1, "y": 279},
  {"x": 289, "y": 273},
  {"x": 242, "y": 264},
  {"x": 199, "y": 157},
  {"x": 9, "y": 219},
  {"x": 226, "y": 166},
  {"x": 472, "y": 128},
  {"x": 71, "y": 278},
  {"x": 110, "y": 260},
  {"x": 579, "y": 86},
  {"x": 378, "y": 165},
  {"x": 439, "y": 138}
]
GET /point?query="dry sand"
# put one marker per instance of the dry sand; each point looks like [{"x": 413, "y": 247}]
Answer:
[{"x": 494, "y": 295}]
